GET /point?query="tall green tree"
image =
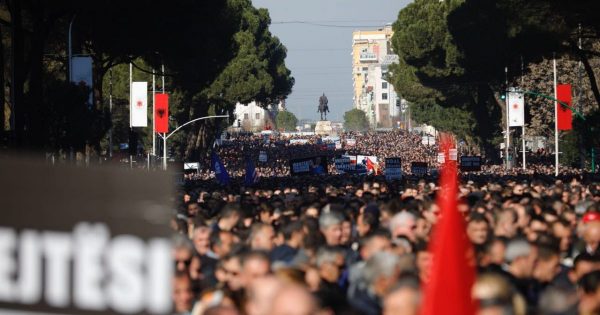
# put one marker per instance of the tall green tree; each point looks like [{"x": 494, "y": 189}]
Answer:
[
  {"x": 257, "y": 72},
  {"x": 286, "y": 120},
  {"x": 431, "y": 75},
  {"x": 355, "y": 120}
]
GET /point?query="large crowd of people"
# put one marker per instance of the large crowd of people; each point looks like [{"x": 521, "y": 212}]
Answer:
[
  {"x": 279, "y": 149},
  {"x": 341, "y": 244}
]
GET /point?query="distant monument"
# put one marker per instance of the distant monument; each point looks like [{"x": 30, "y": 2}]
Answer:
[
  {"x": 323, "y": 127},
  {"x": 323, "y": 107}
]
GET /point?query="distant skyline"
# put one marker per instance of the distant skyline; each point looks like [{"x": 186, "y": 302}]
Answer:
[{"x": 318, "y": 36}]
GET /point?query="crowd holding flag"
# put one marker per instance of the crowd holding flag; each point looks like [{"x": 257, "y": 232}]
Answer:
[
  {"x": 251, "y": 175},
  {"x": 219, "y": 169}
]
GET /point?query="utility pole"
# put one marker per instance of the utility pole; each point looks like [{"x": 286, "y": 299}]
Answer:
[
  {"x": 507, "y": 119},
  {"x": 130, "y": 122},
  {"x": 153, "y": 122},
  {"x": 555, "y": 120},
  {"x": 110, "y": 131}
]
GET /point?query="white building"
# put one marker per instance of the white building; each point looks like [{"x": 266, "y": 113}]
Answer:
[
  {"x": 372, "y": 56},
  {"x": 253, "y": 118}
]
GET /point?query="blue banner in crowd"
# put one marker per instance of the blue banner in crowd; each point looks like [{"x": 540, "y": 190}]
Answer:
[
  {"x": 219, "y": 169},
  {"x": 251, "y": 176}
]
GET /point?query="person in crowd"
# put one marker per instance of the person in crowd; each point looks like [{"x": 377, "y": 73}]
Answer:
[
  {"x": 478, "y": 229},
  {"x": 183, "y": 297},
  {"x": 404, "y": 298},
  {"x": 404, "y": 224},
  {"x": 262, "y": 237},
  {"x": 293, "y": 234},
  {"x": 377, "y": 276},
  {"x": 330, "y": 224}
]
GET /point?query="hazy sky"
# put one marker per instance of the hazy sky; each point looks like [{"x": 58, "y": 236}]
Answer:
[{"x": 320, "y": 56}]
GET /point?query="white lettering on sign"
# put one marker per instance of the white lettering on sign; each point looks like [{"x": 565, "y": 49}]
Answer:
[
  {"x": 300, "y": 167},
  {"x": 123, "y": 273},
  {"x": 30, "y": 284}
]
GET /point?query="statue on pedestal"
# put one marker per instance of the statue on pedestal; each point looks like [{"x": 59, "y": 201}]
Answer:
[{"x": 323, "y": 108}]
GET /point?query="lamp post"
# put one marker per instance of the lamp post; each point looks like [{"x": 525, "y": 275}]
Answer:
[
  {"x": 70, "y": 48},
  {"x": 166, "y": 136}
]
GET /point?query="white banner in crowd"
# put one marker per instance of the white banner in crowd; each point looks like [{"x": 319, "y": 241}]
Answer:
[
  {"x": 262, "y": 156},
  {"x": 138, "y": 105},
  {"x": 516, "y": 109}
]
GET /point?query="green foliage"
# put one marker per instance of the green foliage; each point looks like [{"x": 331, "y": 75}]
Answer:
[
  {"x": 355, "y": 120},
  {"x": 257, "y": 72},
  {"x": 432, "y": 75},
  {"x": 286, "y": 120},
  {"x": 570, "y": 150}
]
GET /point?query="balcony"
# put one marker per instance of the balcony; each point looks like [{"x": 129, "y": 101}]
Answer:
[{"x": 367, "y": 57}]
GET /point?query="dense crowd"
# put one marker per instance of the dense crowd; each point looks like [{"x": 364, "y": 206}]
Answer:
[
  {"x": 359, "y": 245},
  {"x": 279, "y": 149}
]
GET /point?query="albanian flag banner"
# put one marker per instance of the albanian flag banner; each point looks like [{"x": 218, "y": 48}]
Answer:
[
  {"x": 564, "y": 115},
  {"x": 161, "y": 112},
  {"x": 447, "y": 290}
]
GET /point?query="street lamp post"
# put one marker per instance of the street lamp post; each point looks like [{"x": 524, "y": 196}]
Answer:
[
  {"x": 166, "y": 136},
  {"x": 70, "y": 52}
]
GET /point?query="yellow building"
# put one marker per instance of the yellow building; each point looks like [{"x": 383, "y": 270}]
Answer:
[{"x": 371, "y": 52}]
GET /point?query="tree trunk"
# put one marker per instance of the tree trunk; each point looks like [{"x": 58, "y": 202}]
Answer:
[
  {"x": 588, "y": 70},
  {"x": 484, "y": 113}
]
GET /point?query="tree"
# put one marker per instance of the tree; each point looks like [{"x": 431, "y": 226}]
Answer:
[
  {"x": 431, "y": 75},
  {"x": 257, "y": 72},
  {"x": 519, "y": 34},
  {"x": 286, "y": 120},
  {"x": 355, "y": 120},
  {"x": 215, "y": 53}
]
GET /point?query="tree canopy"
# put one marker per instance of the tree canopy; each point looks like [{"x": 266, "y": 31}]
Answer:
[
  {"x": 355, "y": 120},
  {"x": 457, "y": 56},
  {"x": 286, "y": 121},
  {"x": 215, "y": 53}
]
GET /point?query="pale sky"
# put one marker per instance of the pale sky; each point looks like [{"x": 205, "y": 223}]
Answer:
[{"x": 320, "y": 56}]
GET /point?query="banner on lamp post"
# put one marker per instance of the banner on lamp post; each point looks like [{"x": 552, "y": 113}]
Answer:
[
  {"x": 138, "y": 105},
  {"x": 161, "y": 112},
  {"x": 564, "y": 115},
  {"x": 516, "y": 109}
]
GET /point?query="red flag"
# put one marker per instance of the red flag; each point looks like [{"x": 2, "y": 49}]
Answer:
[
  {"x": 161, "y": 112},
  {"x": 452, "y": 273},
  {"x": 373, "y": 166},
  {"x": 564, "y": 115}
]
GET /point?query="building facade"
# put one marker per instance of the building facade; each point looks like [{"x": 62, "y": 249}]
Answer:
[
  {"x": 371, "y": 57},
  {"x": 254, "y": 118}
]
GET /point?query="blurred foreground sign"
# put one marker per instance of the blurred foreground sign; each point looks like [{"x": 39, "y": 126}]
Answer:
[{"x": 83, "y": 241}]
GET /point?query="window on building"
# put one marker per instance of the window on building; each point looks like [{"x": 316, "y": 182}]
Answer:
[
  {"x": 384, "y": 85},
  {"x": 257, "y": 116},
  {"x": 246, "y": 116},
  {"x": 384, "y": 96},
  {"x": 365, "y": 69}
]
